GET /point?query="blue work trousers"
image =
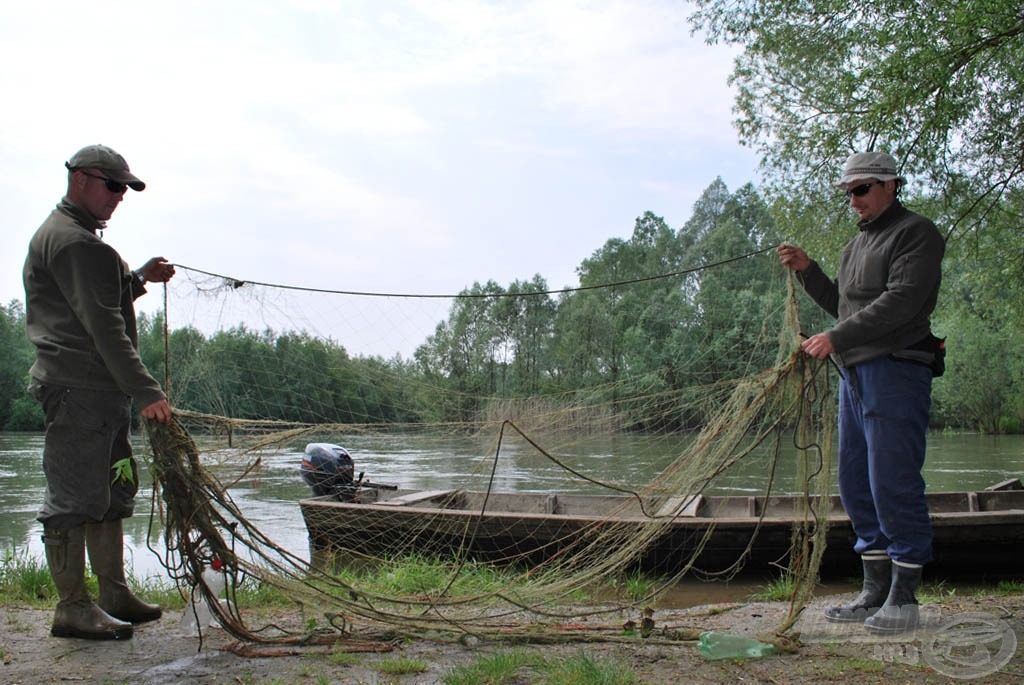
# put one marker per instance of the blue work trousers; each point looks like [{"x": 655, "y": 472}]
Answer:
[{"x": 883, "y": 421}]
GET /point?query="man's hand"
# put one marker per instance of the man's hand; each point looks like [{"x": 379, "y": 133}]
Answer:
[
  {"x": 793, "y": 257},
  {"x": 818, "y": 346},
  {"x": 158, "y": 411},
  {"x": 157, "y": 270}
]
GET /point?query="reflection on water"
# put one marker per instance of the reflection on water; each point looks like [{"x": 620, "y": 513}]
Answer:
[{"x": 268, "y": 494}]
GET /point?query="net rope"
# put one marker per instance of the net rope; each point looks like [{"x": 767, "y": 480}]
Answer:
[{"x": 786, "y": 407}]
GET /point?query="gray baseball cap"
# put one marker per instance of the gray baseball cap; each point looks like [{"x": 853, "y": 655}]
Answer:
[
  {"x": 106, "y": 160},
  {"x": 865, "y": 166}
]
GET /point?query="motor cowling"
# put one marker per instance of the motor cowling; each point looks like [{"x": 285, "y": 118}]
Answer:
[{"x": 328, "y": 469}]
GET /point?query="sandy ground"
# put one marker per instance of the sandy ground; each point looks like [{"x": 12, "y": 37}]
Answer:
[{"x": 973, "y": 639}]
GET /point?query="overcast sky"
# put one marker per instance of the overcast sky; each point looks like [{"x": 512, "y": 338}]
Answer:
[{"x": 370, "y": 146}]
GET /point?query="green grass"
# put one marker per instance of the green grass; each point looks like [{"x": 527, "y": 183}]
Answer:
[
  {"x": 781, "y": 589},
  {"x": 430, "y": 577},
  {"x": 935, "y": 592},
  {"x": 422, "y": 576},
  {"x": 582, "y": 670},
  {"x": 254, "y": 594},
  {"x": 24, "y": 579},
  {"x": 1004, "y": 587},
  {"x": 520, "y": 666},
  {"x": 496, "y": 669},
  {"x": 637, "y": 586},
  {"x": 402, "y": 666},
  {"x": 152, "y": 589},
  {"x": 778, "y": 590}
]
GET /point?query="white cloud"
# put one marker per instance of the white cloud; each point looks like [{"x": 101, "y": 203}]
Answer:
[{"x": 422, "y": 144}]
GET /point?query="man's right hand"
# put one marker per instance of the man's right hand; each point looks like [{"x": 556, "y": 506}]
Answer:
[
  {"x": 793, "y": 257},
  {"x": 158, "y": 411}
]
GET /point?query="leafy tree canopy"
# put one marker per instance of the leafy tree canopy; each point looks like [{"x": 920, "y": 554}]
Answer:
[{"x": 938, "y": 84}]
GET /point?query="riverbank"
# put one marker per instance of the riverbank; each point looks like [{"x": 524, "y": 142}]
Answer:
[{"x": 973, "y": 637}]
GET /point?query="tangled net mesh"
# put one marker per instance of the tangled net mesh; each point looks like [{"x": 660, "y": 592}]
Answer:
[{"x": 537, "y": 594}]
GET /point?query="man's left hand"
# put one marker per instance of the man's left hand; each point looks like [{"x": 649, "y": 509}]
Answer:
[
  {"x": 818, "y": 346},
  {"x": 158, "y": 411}
]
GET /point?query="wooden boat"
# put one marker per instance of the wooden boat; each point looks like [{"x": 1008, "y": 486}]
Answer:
[{"x": 978, "y": 533}]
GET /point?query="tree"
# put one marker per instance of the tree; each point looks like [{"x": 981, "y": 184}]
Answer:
[
  {"x": 936, "y": 83},
  {"x": 527, "y": 316},
  {"x": 620, "y": 324},
  {"x": 733, "y": 300},
  {"x": 467, "y": 353},
  {"x": 980, "y": 315},
  {"x": 18, "y": 411}
]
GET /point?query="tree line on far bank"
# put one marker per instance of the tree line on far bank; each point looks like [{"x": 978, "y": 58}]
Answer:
[{"x": 648, "y": 335}]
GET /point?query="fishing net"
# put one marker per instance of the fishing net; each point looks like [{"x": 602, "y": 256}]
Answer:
[{"x": 527, "y": 498}]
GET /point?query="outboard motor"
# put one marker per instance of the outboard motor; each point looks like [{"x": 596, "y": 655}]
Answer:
[{"x": 328, "y": 469}]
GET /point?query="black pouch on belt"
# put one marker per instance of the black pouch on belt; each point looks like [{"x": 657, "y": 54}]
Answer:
[{"x": 930, "y": 352}]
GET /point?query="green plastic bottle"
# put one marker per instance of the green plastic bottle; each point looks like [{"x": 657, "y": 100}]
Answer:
[{"x": 716, "y": 646}]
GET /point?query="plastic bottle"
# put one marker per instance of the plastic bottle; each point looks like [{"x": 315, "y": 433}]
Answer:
[
  {"x": 727, "y": 646},
  {"x": 197, "y": 613}
]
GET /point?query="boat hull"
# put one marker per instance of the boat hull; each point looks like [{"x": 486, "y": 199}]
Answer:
[{"x": 975, "y": 533}]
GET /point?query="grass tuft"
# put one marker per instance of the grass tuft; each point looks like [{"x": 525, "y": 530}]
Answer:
[
  {"x": 778, "y": 590},
  {"x": 426, "y": 577},
  {"x": 25, "y": 579},
  {"x": 582, "y": 670},
  {"x": 514, "y": 666},
  {"x": 402, "y": 666},
  {"x": 501, "y": 667}
]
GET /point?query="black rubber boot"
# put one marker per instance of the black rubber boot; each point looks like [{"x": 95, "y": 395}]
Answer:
[
  {"x": 900, "y": 612},
  {"x": 76, "y": 614},
  {"x": 105, "y": 542},
  {"x": 877, "y": 578}
]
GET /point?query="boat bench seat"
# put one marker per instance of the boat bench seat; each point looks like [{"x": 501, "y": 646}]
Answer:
[
  {"x": 684, "y": 506},
  {"x": 417, "y": 497}
]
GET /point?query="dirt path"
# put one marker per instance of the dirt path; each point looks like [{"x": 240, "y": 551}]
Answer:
[{"x": 159, "y": 653}]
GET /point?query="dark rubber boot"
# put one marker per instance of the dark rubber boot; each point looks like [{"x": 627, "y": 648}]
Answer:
[
  {"x": 76, "y": 614},
  {"x": 900, "y": 612},
  {"x": 877, "y": 577},
  {"x": 105, "y": 542}
]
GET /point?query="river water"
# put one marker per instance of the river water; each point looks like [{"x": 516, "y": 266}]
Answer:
[{"x": 268, "y": 496}]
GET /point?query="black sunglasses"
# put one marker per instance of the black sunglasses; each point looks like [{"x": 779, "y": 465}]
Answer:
[
  {"x": 861, "y": 190},
  {"x": 112, "y": 185}
]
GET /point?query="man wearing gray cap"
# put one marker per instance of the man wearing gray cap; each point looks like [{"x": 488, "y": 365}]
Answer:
[
  {"x": 80, "y": 316},
  {"x": 883, "y": 295}
]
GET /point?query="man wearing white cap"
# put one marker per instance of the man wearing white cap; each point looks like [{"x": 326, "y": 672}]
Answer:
[
  {"x": 882, "y": 297},
  {"x": 80, "y": 315}
]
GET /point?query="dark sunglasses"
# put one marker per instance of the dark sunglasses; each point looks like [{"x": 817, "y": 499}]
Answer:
[
  {"x": 112, "y": 185},
  {"x": 861, "y": 190}
]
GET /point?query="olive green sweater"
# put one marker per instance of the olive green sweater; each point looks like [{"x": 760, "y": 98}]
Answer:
[
  {"x": 886, "y": 287},
  {"x": 79, "y": 309}
]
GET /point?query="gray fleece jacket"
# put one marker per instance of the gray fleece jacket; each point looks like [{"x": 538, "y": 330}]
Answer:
[
  {"x": 79, "y": 309},
  {"x": 886, "y": 287}
]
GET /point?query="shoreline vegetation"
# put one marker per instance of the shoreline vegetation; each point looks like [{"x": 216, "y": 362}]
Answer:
[
  {"x": 25, "y": 580},
  {"x": 649, "y": 329},
  {"x": 29, "y": 597}
]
